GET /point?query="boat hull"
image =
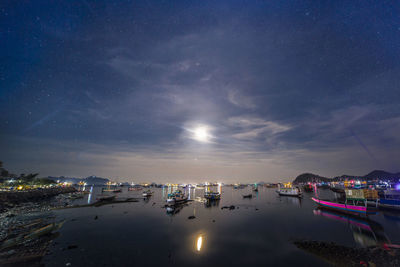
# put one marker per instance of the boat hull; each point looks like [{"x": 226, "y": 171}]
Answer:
[
  {"x": 345, "y": 208},
  {"x": 173, "y": 201},
  {"x": 389, "y": 204}
]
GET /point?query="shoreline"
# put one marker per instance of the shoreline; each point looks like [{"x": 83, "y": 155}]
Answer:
[{"x": 9, "y": 200}]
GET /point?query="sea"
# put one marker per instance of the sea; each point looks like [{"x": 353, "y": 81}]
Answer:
[{"x": 234, "y": 231}]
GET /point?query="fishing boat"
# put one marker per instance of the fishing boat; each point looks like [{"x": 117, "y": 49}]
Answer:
[
  {"x": 212, "y": 195},
  {"x": 289, "y": 191},
  {"x": 147, "y": 193},
  {"x": 308, "y": 188},
  {"x": 355, "y": 203},
  {"x": 248, "y": 196},
  {"x": 390, "y": 199},
  {"x": 176, "y": 197}
]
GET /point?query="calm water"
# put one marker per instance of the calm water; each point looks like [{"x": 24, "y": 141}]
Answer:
[{"x": 259, "y": 231}]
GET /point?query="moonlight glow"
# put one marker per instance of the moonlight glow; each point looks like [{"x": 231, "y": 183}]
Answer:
[{"x": 201, "y": 134}]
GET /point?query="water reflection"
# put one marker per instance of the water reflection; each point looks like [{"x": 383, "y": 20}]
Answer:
[
  {"x": 199, "y": 243},
  {"x": 296, "y": 201},
  {"x": 90, "y": 195},
  {"x": 366, "y": 232},
  {"x": 175, "y": 209},
  {"x": 211, "y": 203}
]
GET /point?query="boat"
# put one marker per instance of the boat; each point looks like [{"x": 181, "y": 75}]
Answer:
[
  {"x": 390, "y": 199},
  {"x": 176, "y": 197},
  {"x": 289, "y": 191},
  {"x": 248, "y": 196},
  {"x": 355, "y": 203},
  {"x": 105, "y": 198},
  {"x": 308, "y": 188},
  {"x": 255, "y": 189},
  {"x": 212, "y": 195},
  {"x": 134, "y": 188},
  {"x": 147, "y": 193}
]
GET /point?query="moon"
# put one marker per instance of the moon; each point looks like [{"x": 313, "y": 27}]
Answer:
[{"x": 200, "y": 134}]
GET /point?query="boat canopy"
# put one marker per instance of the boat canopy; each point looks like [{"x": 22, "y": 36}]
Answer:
[
  {"x": 354, "y": 194},
  {"x": 361, "y": 194}
]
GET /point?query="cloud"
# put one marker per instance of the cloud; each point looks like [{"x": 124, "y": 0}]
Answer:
[{"x": 255, "y": 127}]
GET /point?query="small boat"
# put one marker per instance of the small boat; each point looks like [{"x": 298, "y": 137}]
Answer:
[
  {"x": 134, "y": 188},
  {"x": 255, "y": 189},
  {"x": 176, "y": 197},
  {"x": 355, "y": 203},
  {"x": 308, "y": 188},
  {"x": 105, "y": 198},
  {"x": 212, "y": 195},
  {"x": 390, "y": 199},
  {"x": 248, "y": 196},
  {"x": 147, "y": 193},
  {"x": 289, "y": 191}
]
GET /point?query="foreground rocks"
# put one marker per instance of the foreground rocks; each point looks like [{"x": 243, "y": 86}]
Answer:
[
  {"x": 10, "y": 199},
  {"x": 346, "y": 256}
]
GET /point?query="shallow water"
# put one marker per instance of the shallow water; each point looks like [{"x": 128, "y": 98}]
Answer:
[{"x": 259, "y": 231}]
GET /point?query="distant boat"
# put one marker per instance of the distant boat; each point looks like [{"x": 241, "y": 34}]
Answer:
[
  {"x": 289, "y": 191},
  {"x": 248, "y": 196},
  {"x": 308, "y": 188},
  {"x": 176, "y": 197},
  {"x": 212, "y": 195},
  {"x": 355, "y": 203},
  {"x": 147, "y": 193},
  {"x": 134, "y": 188},
  {"x": 390, "y": 199}
]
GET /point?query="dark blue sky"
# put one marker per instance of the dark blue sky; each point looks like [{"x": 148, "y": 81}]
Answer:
[{"x": 199, "y": 90}]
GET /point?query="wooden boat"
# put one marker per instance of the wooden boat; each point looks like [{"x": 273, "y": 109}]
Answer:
[
  {"x": 390, "y": 199},
  {"x": 248, "y": 196},
  {"x": 176, "y": 198},
  {"x": 147, "y": 193},
  {"x": 355, "y": 203},
  {"x": 212, "y": 195},
  {"x": 308, "y": 188},
  {"x": 289, "y": 191}
]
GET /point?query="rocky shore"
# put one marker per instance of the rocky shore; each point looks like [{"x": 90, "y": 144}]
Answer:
[
  {"x": 338, "y": 255},
  {"x": 10, "y": 199}
]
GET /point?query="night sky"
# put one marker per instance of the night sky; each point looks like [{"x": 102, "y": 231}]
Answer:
[{"x": 199, "y": 90}]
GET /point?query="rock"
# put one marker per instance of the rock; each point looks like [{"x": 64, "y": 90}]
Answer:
[{"x": 191, "y": 217}]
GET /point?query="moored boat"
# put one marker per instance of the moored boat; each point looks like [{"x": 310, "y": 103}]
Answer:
[
  {"x": 308, "y": 188},
  {"x": 248, "y": 196},
  {"x": 134, "y": 188},
  {"x": 147, "y": 193},
  {"x": 390, "y": 199},
  {"x": 176, "y": 197},
  {"x": 212, "y": 195},
  {"x": 355, "y": 203},
  {"x": 289, "y": 191}
]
